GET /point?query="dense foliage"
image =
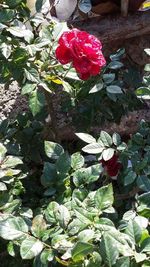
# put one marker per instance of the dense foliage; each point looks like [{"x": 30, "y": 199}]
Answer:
[{"x": 61, "y": 205}]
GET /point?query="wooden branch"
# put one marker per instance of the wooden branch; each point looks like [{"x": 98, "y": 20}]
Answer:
[{"x": 114, "y": 28}]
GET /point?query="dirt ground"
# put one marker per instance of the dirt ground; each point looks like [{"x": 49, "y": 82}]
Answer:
[{"x": 11, "y": 101}]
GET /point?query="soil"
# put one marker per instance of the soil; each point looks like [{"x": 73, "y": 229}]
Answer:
[{"x": 11, "y": 101}]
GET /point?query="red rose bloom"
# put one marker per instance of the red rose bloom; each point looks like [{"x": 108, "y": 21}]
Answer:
[
  {"x": 83, "y": 50},
  {"x": 112, "y": 166}
]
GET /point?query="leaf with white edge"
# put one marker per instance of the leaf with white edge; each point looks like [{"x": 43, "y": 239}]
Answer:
[
  {"x": 81, "y": 250},
  {"x": 142, "y": 221},
  {"x": 114, "y": 65},
  {"x": 63, "y": 216},
  {"x": 87, "y": 138},
  {"x": 3, "y": 187},
  {"x": 104, "y": 197},
  {"x": 32, "y": 75},
  {"x": 139, "y": 257},
  {"x": 116, "y": 139},
  {"x": 108, "y": 249},
  {"x": 122, "y": 146},
  {"x": 109, "y": 78},
  {"x": 77, "y": 161},
  {"x": 38, "y": 226},
  {"x": 28, "y": 88},
  {"x": 93, "y": 148},
  {"x": 147, "y": 51},
  {"x": 106, "y": 138},
  {"x": 114, "y": 89},
  {"x": 6, "y": 50},
  {"x": 13, "y": 228},
  {"x": 11, "y": 162},
  {"x": 143, "y": 91},
  {"x": 147, "y": 67},
  {"x": 53, "y": 150},
  {"x": 108, "y": 153},
  {"x": 86, "y": 235},
  {"x": 59, "y": 28},
  {"x": 87, "y": 175},
  {"x": 98, "y": 87},
  {"x": 3, "y": 151},
  {"x": 134, "y": 231},
  {"x": 30, "y": 248}
]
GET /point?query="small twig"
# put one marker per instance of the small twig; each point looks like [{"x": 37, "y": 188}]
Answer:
[{"x": 128, "y": 195}]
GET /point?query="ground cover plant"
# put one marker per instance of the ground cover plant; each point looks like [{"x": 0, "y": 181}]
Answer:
[{"x": 61, "y": 205}]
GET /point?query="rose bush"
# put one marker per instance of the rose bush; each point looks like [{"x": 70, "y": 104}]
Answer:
[{"x": 83, "y": 50}]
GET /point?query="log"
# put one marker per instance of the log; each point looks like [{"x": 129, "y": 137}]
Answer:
[{"x": 115, "y": 28}]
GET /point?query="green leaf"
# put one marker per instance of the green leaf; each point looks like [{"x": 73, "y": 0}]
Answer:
[
  {"x": 104, "y": 197},
  {"x": 30, "y": 248},
  {"x": 39, "y": 4},
  {"x": 134, "y": 231},
  {"x": 114, "y": 89},
  {"x": 36, "y": 102},
  {"x": 38, "y": 226},
  {"x": 77, "y": 161},
  {"x": 28, "y": 88},
  {"x": 6, "y": 15},
  {"x": 49, "y": 174},
  {"x": 108, "y": 153},
  {"x": 123, "y": 262},
  {"x": 109, "y": 78},
  {"x": 95, "y": 260},
  {"x": 81, "y": 250},
  {"x": 87, "y": 175},
  {"x": 87, "y": 138},
  {"x": 143, "y": 182},
  {"x": 13, "y": 3},
  {"x": 53, "y": 150},
  {"x": 130, "y": 177},
  {"x": 109, "y": 251},
  {"x": 10, "y": 249},
  {"x": 145, "y": 245},
  {"x": 93, "y": 148},
  {"x": 63, "y": 163},
  {"x": 98, "y": 87},
  {"x": 13, "y": 228}
]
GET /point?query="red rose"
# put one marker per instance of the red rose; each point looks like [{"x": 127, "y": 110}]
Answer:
[
  {"x": 112, "y": 166},
  {"x": 83, "y": 50}
]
